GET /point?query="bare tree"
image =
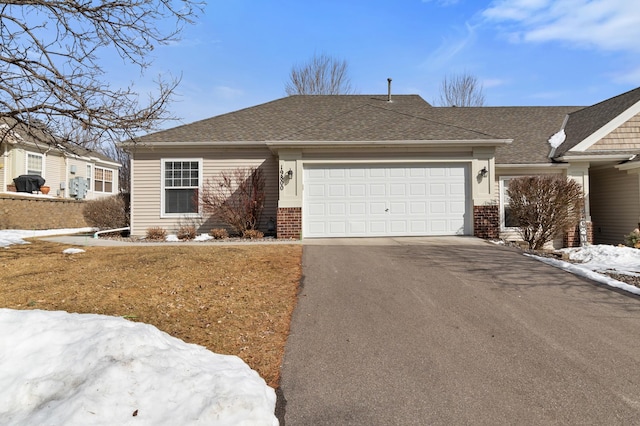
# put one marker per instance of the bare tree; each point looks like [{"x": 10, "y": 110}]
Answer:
[
  {"x": 52, "y": 77},
  {"x": 236, "y": 197},
  {"x": 544, "y": 207},
  {"x": 322, "y": 75},
  {"x": 461, "y": 90}
]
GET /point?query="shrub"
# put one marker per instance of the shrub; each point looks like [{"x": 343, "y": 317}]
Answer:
[
  {"x": 633, "y": 239},
  {"x": 186, "y": 232},
  {"x": 236, "y": 198},
  {"x": 156, "y": 234},
  {"x": 106, "y": 213},
  {"x": 219, "y": 233},
  {"x": 544, "y": 207},
  {"x": 252, "y": 234}
]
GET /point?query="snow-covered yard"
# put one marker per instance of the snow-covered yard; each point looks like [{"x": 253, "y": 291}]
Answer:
[{"x": 58, "y": 368}]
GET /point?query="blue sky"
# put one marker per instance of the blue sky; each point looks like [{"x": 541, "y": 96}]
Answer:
[{"x": 525, "y": 52}]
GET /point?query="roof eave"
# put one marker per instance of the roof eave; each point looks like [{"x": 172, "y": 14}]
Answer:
[{"x": 275, "y": 145}]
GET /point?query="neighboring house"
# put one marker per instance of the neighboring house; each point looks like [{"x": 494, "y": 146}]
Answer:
[
  {"x": 362, "y": 165},
  {"x": 69, "y": 171}
]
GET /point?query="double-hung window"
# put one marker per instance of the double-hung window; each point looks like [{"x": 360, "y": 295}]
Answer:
[
  {"x": 34, "y": 163},
  {"x": 103, "y": 180},
  {"x": 506, "y": 218},
  {"x": 181, "y": 181}
]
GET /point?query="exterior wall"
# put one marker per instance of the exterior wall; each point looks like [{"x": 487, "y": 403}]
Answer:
[
  {"x": 627, "y": 136},
  {"x": 612, "y": 187},
  {"x": 486, "y": 221},
  {"x": 146, "y": 184},
  {"x": 289, "y": 223},
  {"x": 56, "y": 170},
  {"x": 480, "y": 190},
  {"x": 24, "y": 212}
]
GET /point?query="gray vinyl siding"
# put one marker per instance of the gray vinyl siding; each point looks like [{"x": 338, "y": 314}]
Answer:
[
  {"x": 146, "y": 183},
  {"x": 615, "y": 204}
]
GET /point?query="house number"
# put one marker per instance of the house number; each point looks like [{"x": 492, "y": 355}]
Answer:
[{"x": 281, "y": 178}]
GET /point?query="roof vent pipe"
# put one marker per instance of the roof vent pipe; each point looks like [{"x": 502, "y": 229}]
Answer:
[{"x": 388, "y": 90}]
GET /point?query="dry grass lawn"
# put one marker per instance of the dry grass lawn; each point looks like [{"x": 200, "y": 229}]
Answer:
[{"x": 231, "y": 299}]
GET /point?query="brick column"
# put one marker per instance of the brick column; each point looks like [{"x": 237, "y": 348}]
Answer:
[
  {"x": 486, "y": 221},
  {"x": 572, "y": 236},
  {"x": 289, "y": 223}
]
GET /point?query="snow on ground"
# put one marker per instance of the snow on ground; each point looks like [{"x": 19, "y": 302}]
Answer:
[
  {"x": 15, "y": 236},
  {"x": 71, "y": 369},
  {"x": 597, "y": 260},
  {"x": 58, "y": 368}
]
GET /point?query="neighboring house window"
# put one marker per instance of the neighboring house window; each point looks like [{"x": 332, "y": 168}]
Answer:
[
  {"x": 89, "y": 174},
  {"x": 181, "y": 183},
  {"x": 34, "y": 164},
  {"x": 506, "y": 218},
  {"x": 103, "y": 180}
]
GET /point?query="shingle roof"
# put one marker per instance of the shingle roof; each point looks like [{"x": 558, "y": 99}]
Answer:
[
  {"x": 529, "y": 127},
  {"x": 583, "y": 123},
  {"x": 373, "y": 118},
  {"x": 322, "y": 118}
]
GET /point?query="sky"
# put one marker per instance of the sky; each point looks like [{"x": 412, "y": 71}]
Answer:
[{"x": 524, "y": 52}]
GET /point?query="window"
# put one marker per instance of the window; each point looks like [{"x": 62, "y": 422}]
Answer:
[
  {"x": 103, "y": 180},
  {"x": 34, "y": 164},
  {"x": 506, "y": 218},
  {"x": 89, "y": 173},
  {"x": 181, "y": 183}
]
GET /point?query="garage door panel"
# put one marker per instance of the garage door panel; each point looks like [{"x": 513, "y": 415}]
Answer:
[
  {"x": 357, "y": 200},
  {"x": 377, "y": 190}
]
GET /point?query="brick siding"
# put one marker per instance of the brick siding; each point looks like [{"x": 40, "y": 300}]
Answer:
[
  {"x": 572, "y": 236},
  {"x": 289, "y": 223},
  {"x": 486, "y": 221}
]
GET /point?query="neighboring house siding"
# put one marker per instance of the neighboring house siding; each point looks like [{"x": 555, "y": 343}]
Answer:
[
  {"x": 612, "y": 187},
  {"x": 54, "y": 171},
  {"x": 146, "y": 180},
  {"x": 626, "y": 136}
]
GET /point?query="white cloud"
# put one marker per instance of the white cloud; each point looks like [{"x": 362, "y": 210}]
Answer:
[
  {"x": 628, "y": 76},
  {"x": 450, "y": 48},
  {"x": 610, "y": 25}
]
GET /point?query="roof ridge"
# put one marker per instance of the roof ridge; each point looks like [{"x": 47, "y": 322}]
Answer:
[{"x": 440, "y": 123}]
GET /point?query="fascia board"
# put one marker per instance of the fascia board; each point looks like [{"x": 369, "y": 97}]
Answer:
[
  {"x": 533, "y": 165},
  {"x": 608, "y": 157},
  {"x": 401, "y": 143},
  {"x": 608, "y": 128}
]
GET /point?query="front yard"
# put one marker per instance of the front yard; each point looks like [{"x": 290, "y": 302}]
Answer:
[{"x": 235, "y": 300}]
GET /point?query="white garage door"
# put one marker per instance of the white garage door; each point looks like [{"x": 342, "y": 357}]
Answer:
[{"x": 367, "y": 201}]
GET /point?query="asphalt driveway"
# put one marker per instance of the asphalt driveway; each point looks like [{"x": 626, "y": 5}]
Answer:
[{"x": 430, "y": 332}]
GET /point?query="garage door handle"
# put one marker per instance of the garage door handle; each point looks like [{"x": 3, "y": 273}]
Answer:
[{"x": 386, "y": 210}]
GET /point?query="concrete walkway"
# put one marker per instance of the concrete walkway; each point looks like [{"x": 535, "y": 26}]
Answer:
[{"x": 434, "y": 333}]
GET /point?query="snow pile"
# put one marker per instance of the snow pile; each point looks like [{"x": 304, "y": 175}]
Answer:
[
  {"x": 15, "y": 236},
  {"x": 58, "y": 368},
  {"x": 608, "y": 259},
  {"x": 72, "y": 251},
  {"x": 598, "y": 259},
  {"x": 172, "y": 238},
  {"x": 557, "y": 139}
]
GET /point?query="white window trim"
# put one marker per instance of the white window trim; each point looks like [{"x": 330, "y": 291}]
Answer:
[
  {"x": 162, "y": 188},
  {"x": 26, "y": 161},
  {"x": 93, "y": 179},
  {"x": 502, "y": 194},
  {"x": 90, "y": 177}
]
